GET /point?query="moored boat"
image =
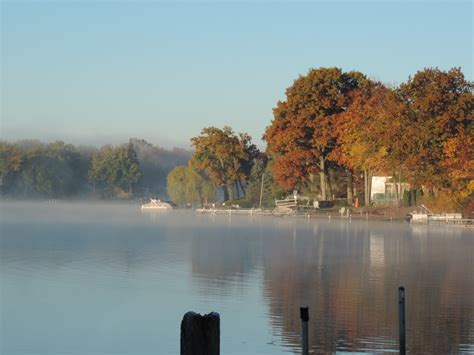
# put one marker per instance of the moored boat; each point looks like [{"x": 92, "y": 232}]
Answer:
[
  {"x": 157, "y": 204},
  {"x": 425, "y": 215}
]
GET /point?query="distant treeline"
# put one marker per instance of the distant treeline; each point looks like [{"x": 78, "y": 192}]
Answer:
[
  {"x": 334, "y": 131},
  {"x": 32, "y": 169}
]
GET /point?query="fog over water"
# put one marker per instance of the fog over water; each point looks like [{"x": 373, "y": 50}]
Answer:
[{"x": 96, "y": 278}]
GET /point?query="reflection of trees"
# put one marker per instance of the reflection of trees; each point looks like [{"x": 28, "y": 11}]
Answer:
[
  {"x": 349, "y": 279},
  {"x": 348, "y": 274}
]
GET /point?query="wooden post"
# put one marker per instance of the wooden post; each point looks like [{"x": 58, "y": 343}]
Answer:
[
  {"x": 200, "y": 334},
  {"x": 401, "y": 319},
  {"x": 304, "y": 313}
]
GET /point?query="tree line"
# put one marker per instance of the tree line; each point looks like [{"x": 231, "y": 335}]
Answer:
[
  {"x": 32, "y": 169},
  {"x": 335, "y": 130}
]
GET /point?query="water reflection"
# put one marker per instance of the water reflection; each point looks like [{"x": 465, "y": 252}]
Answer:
[
  {"x": 124, "y": 279},
  {"x": 349, "y": 278}
]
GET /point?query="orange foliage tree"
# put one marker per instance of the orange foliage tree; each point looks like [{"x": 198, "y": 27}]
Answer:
[
  {"x": 459, "y": 167},
  {"x": 301, "y": 135},
  {"x": 439, "y": 136},
  {"x": 369, "y": 133},
  {"x": 224, "y": 156}
]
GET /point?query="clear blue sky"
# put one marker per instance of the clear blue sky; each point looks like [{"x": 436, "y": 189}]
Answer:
[{"x": 101, "y": 72}]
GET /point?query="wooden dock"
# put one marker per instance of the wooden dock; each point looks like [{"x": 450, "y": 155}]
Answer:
[{"x": 329, "y": 214}]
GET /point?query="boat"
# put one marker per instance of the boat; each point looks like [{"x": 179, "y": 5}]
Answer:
[
  {"x": 425, "y": 215},
  {"x": 157, "y": 204}
]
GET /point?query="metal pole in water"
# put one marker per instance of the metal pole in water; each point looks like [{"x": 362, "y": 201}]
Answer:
[
  {"x": 304, "y": 313},
  {"x": 401, "y": 319}
]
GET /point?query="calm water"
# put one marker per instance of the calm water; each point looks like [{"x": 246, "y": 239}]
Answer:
[{"x": 108, "y": 279}]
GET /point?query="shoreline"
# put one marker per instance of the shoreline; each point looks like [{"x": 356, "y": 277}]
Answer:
[{"x": 331, "y": 215}]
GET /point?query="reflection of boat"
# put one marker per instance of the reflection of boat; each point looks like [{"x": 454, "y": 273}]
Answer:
[
  {"x": 425, "y": 215},
  {"x": 156, "y": 204}
]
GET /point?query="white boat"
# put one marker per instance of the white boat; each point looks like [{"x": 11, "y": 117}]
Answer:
[
  {"x": 156, "y": 204},
  {"x": 426, "y": 215}
]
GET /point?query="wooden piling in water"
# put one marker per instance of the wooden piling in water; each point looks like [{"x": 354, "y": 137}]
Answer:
[
  {"x": 200, "y": 335},
  {"x": 304, "y": 313},
  {"x": 401, "y": 319}
]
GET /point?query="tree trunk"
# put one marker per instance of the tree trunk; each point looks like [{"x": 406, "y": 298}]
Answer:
[
  {"x": 397, "y": 193},
  {"x": 322, "y": 176},
  {"x": 314, "y": 185},
  {"x": 355, "y": 196},
  {"x": 400, "y": 194},
  {"x": 242, "y": 187},
  {"x": 413, "y": 201},
  {"x": 230, "y": 190},
  {"x": 350, "y": 196},
  {"x": 329, "y": 185},
  {"x": 370, "y": 186},
  {"x": 367, "y": 183},
  {"x": 226, "y": 192},
  {"x": 237, "y": 190}
]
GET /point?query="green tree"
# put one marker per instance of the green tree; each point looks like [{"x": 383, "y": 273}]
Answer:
[
  {"x": 98, "y": 174},
  {"x": 187, "y": 187},
  {"x": 155, "y": 164},
  {"x": 115, "y": 168},
  {"x": 52, "y": 170},
  {"x": 176, "y": 185},
  {"x": 261, "y": 188},
  {"x": 131, "y": 169},
  {"x": 10, "y": 163}
]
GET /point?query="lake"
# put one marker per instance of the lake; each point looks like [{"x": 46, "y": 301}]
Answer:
[{"x": 94, "y": 278}]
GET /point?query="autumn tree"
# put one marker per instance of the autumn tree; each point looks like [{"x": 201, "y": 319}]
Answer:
[
  {"x": 458, "y": 164},
  {"x": 441, "y": 113},
  {"x": 301, "y": 135},
  {"x": 224, "y": 156},
  {"x": 368, "y": 133}
]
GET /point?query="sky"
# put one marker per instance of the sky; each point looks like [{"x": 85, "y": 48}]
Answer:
[{"x": 96, "y": 72}]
